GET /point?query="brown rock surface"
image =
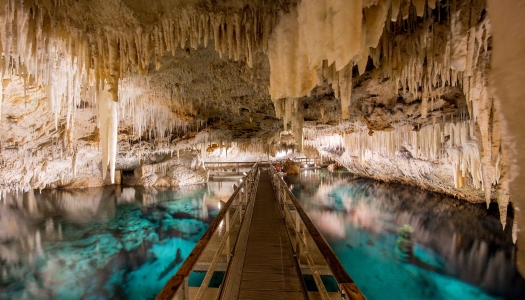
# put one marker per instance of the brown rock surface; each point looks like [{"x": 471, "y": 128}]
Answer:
[{"x": 291, "y": 167}]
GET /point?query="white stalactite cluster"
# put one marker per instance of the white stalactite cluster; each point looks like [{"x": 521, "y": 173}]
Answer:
[
  {"x": 152, "y": 110},
  {"x": 453, "y": 144},
  {"x": 73, "y": 65},
  {"x": 328, "y": 38},
  {"x": 290, "y": 111},
  {"x": 108, "y": 128},
  {"x": 422, "y": 46}
]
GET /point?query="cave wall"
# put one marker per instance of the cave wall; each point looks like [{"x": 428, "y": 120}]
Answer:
[{"x": 412, "y": 91}]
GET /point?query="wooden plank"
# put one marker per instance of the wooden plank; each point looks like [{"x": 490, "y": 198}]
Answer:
[
  {"x": 268, "y": 276},
  {"x": 270, "y": 269},
  {"x": 265, "y": 295},
  {"x": 288, "y": 285}
]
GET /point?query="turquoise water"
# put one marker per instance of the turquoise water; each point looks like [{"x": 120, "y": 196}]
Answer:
[
  {"x": 100, "y": 243},
  {"x": 459, "y": 250}
]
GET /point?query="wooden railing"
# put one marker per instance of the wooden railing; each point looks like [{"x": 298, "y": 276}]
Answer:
[
  {"x": 177, "y": 287},
  {"x": 302, "y": 233}
]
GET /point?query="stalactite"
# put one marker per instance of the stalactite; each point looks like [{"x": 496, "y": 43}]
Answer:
[
  {"x": 460, "y": 150},
  {"x": 317, "y": 40},
  {"x": 68, "y": 62},
  {"x": 108, "y": 127},
  {"x": 345, "y": 83}
]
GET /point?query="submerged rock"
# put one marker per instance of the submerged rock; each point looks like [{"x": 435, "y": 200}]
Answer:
[{"x": 404, "y": 243}]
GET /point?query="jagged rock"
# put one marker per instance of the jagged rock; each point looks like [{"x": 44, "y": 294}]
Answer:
[
  {"x": 123, "y": 84},
  {"x": 291, "y": 167},
  {"x": 169, "y": 172}
]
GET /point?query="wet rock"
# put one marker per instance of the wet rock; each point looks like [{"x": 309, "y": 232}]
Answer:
[{"x": 291, "y": 167}]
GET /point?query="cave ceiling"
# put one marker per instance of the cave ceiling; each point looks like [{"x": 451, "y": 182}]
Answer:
[{"x": 396, "y": 90}]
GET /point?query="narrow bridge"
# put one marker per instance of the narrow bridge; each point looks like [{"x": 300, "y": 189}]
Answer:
[{"x": 261, "y": 245}]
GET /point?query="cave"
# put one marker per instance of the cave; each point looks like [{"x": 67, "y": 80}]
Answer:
[{"x": 113, "y": 108}]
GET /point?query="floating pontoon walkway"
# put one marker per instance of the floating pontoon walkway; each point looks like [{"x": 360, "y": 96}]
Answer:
[
  {"x": 269, "y": 269},
  {"x": 263, "y": 244}
]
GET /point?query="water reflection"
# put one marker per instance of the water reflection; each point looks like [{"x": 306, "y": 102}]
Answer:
[
  {"x": 100, "y": 243},
  {"x": 454, "y": 242}
]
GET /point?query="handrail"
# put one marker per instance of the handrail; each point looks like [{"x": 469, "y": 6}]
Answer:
[
  {"x": 180, "y": 279},
  {"x": 347, "y": 285}
]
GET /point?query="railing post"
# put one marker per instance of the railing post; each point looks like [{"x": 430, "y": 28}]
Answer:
[
  {"x": 228, "y": 247},
  {"x": 185, "y": 292},
  {"x": 239, "y": 203},
  {"x": 245, "y": 194},
  {"x": 278, "y": 184},
  {"x": 298, "y": 241},
  {"x": 283, "y": 190},
  {"x": 282, "y": 202},
  {"x": 297, "y": 232},
  {"x": 304, "y": 239}
]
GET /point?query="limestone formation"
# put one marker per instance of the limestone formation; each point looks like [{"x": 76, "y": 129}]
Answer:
[{"x": 412, "y": 91}]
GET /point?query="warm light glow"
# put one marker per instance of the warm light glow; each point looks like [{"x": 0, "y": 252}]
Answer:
[{"x": 280, "y": 154}]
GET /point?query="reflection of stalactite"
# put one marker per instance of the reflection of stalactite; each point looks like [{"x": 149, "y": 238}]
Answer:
[
  {"x": 479, "y": 264},
  {"x": 463, "y": 247},
  {"x": 32, "y": 245},
  {"x": 203, "y": 211},
  {"x": 30, "y": 203},
  {"x": 38, "y": 243},
  {"x": 330, "y": 222}
]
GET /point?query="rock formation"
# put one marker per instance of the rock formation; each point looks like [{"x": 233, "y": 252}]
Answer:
[{"x": 411, "y": 91}]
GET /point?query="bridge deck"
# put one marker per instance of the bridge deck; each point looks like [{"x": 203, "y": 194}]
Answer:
[{"x": 269, "y": 270}]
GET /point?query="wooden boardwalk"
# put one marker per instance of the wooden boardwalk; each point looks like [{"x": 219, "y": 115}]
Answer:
[
  {"x": 262, "y": 263},
  {"x": 267, "y": 269}
]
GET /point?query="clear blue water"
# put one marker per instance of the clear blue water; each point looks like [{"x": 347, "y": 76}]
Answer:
[
  {"x": 100, "y": 243},
  {"x": 459, "y": 249}
]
